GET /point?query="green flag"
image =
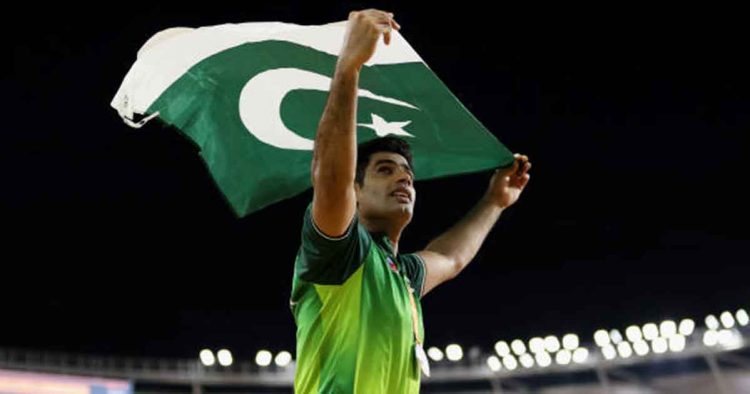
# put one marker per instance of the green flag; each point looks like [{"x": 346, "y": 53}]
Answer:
[{"x": 251, "y": 95}]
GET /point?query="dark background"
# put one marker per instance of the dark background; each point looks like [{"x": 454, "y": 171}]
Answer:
[{"x": 116, "y": 241}]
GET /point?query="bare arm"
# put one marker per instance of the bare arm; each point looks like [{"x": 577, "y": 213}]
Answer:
[
  {"x": 447, "y": 255},
  {"x": 334, "y": 160}
]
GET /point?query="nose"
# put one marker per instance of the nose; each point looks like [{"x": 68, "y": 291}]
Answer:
[{"x": 404, "y": 178}]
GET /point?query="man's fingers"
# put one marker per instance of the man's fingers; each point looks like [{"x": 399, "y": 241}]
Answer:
[
  {"x": 394, "y": 23},
  {"x": 388, "y": 25},
  {"x": 519, "y": 181},
  {"x": 524, "y": 180},
  {"x": 514, "y": 168},
  {"x": 384, "y": 21},
  {"x": 385, "y": 18},
  {"x": 523, "y": 162},
  {"x": 386, "y": 30}
]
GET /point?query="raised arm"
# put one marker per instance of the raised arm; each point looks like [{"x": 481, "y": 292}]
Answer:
[
  {"x": 334, "y": 160},
  {"x": 447, "y": 255}
]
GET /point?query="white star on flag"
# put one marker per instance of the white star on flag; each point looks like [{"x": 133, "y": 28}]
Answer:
[{"x": 383, "y": 128}]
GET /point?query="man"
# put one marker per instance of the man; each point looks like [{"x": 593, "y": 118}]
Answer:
[{"x": 355, "y": 299}]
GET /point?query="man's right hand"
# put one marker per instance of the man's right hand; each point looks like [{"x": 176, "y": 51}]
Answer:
[{"x": 362, "y": 33}]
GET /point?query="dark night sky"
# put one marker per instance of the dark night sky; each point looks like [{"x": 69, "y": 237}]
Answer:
[{"x": 116, "y": 241}]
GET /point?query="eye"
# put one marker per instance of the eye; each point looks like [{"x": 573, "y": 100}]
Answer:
[{"x": 385, "y": 170}]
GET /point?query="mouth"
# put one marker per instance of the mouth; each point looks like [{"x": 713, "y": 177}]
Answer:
[{"x": 401, "y": 196}]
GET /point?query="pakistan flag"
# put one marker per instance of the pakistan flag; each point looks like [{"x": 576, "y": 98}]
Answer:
[{"x": 250, "y": 96}]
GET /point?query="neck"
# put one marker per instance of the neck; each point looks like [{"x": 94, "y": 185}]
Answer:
[{"x": 391, "y": 228}]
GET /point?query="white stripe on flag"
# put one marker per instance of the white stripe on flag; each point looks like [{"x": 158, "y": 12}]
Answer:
[{"x": 169, "y": 54}]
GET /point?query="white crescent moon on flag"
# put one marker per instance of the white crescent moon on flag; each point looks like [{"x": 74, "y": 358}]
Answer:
[{"x": 260, "y": 104}]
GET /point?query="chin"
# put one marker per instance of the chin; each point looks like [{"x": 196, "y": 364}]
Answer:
[{"x": 406, "y": 210}]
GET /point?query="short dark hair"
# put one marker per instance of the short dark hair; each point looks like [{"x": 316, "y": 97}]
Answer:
[{"x": 383, "y": 144}]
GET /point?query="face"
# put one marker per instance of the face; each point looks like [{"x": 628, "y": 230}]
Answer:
[{"x": 388, "y": 188}]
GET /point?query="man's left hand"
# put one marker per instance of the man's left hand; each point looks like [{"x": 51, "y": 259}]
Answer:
[{"x": 507, "y": 183}]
